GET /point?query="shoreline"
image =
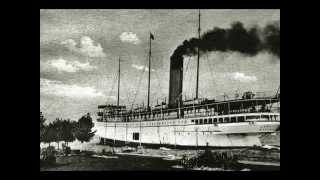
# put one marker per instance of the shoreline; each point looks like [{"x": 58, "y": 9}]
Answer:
[{"x": 146, "y": 163}]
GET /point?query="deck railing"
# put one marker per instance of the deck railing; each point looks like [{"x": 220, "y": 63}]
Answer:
[
  {"x": 174, "y": 114},
  {"x": 218, "y": 107}
]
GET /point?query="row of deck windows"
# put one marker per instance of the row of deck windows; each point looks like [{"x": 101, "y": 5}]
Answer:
[
  {"x": 233, "y": 119},
  {"x": 218, "y": 120},
  {"x": 211, "y": 120}
]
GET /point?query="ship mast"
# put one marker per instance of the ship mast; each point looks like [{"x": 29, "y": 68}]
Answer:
[
  {"x": 199, "y": 32},
  {"x": 150, "y": 38},
  {"x": 118, "y": 83}
]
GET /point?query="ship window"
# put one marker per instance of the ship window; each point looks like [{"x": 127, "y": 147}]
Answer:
[
  {"x": 215, "y": 120},
  {"x": 240, "y": 119},
  {"x": 233, "y": 119},
  {"x": 253, "y": 117},
  {"x": 192, "y": 120},
  {"x": 205, "y": 121},
  {"x": 210, "y": 120},
  {"x": 135, "y": 136},
  {"x": 265, "y": 117},
  {"x": 197, "y": 122},
  {"x": 201, "y": 121},
  {"x": 220, "y": 120},
  {"x": 227, "y": 120}
]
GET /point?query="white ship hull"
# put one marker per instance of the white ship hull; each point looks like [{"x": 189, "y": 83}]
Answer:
[{"x": 183, "y": 132}]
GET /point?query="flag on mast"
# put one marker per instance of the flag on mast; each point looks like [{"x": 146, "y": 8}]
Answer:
[{"x": 151, "y": 36}]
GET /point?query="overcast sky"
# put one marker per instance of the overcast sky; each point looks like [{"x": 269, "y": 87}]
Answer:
[{"x": 79, "y": 52}]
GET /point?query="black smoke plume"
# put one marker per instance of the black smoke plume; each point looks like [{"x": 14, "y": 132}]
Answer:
[{"x": 249, "y": 41}]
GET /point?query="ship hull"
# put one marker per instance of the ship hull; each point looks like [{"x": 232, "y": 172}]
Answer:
[{"x": 242, "y": 134}]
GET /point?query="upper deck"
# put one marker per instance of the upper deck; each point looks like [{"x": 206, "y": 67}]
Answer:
[{"x": 193, "y": 108}]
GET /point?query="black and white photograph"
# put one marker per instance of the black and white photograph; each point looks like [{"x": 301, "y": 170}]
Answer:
[{"x": 160, "y": 90}]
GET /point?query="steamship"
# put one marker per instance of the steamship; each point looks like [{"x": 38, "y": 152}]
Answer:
[{"x": 196, "y": 122}]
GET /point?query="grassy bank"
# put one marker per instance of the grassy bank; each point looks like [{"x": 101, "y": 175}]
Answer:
[
  {"x": 129, "y": 163},
  {"x": 123, "y": 162}
]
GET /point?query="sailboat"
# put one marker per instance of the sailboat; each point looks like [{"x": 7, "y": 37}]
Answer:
[{"x": 237, "y": 122}]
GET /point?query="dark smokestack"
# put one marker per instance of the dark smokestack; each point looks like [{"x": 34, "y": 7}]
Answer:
[
  {"x": 175, "y": 82},
  {"x": 249, "y": 41}
]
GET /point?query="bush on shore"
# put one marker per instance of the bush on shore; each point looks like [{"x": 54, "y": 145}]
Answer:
[
  {"x": 48, "y": 155},
  {"x": 66, "y": 150},
  {"x": 207, "y": 158}
]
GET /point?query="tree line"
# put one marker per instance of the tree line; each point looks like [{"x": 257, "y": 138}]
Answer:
[{"x": 66, "y": 130}]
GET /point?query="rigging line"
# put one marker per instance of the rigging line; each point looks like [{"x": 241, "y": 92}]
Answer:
[
  {"x": 112, "y": 86},
  {"x": 129, "y": 94},
  {"x": 159, "y": 84},
  {"x": 134, "y": 91},
  {"x": 211, "y": 72},
  {"x": 186, "y": 72},
  {"x": 138, "y": 86},
  {"x": 192, "y": 76},
  {"x": 139, "y": 83},
  {"x": 178, "y": 96},
  {"x": 127, "y": 89},
  {"x": 188, "y": 79}
]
